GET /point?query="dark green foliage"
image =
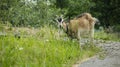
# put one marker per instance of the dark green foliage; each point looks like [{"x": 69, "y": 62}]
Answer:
[
  {"x": 39, "y": 12},
  {"x": 77, "y": 7},
  {"x": 107, "y": 11},
  {"x": 117, "y": 28},
  {"x": 5, "y": 6},
  {"x": 62, "y": 3}
]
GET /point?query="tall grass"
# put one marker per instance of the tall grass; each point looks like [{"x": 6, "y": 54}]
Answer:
[
  {"x": 102, "y": 35},
  {"x": 41, "y": 48}
]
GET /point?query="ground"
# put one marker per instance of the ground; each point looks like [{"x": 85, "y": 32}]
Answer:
[{"x": 110, "y": 57}]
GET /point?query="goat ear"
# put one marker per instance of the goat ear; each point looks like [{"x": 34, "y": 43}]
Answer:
[{"x": 62, "y": 18}]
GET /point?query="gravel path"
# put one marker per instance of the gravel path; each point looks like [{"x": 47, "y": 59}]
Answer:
[{"x": 111, "y": 54}]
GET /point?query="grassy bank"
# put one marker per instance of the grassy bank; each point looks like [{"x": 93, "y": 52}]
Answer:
[
  {"x": 40, "y": 48},
  {"x": 102, "y": 35}
]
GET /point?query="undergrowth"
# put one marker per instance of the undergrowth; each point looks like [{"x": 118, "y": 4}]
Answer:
[
  {"x": 102, "y": 35},
  {"x": 41, "y": 48}
]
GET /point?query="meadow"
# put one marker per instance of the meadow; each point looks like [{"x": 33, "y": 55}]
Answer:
[
  {"x": 26, "y": 42},
  {"x": 40, "y": 47}
]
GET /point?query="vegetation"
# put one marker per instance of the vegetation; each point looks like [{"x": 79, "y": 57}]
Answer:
[
  {"x": 29, "y": 38},
  {"x": 39, "y": 12},
  {"x": 41, "y": 49},
  {"x": 107, "y": 36}
]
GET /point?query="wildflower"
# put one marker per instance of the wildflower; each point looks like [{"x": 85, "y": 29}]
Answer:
[
  {"x": 46, "y": 40},
  {"x": 21, "y": 48}
]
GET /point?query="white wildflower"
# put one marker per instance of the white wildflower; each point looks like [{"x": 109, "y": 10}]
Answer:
[
  {"x": 46, "y": 40},
  {"x": 21, "y": 48}
]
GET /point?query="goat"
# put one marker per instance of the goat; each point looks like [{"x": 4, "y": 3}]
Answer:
[{"x": 84, "y": 23}]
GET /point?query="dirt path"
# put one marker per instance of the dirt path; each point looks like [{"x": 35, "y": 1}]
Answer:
[{"x": 111, "y": 56}]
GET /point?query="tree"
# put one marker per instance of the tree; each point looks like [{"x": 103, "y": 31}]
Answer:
[
  {"x": 5, "y": 5},
  {"x": 107, "y": 11},
  {"x": 71, "y": 8}
]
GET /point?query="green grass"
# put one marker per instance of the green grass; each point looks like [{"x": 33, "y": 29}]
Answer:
[
  {"x": 41, "y": 48},
  {"x": 107, "y": 36}
]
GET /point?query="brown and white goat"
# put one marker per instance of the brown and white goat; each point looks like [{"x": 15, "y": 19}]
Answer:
[{"x": 82, "y": 24}]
